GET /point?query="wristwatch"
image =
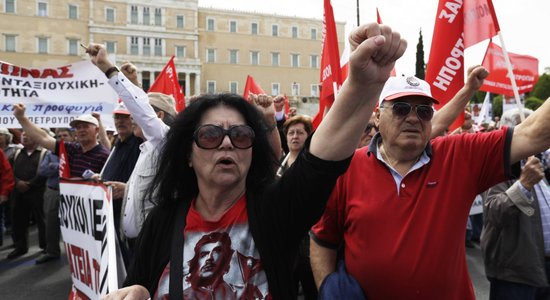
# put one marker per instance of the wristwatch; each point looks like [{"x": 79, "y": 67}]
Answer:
[{"x": 111, "y": 70}]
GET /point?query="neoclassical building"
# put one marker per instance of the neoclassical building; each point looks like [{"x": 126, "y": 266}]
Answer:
[{"x": 215, "y": 49}]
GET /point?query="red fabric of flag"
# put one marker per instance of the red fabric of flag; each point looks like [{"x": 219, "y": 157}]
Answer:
[
  {"x": 330, "y": 63},
  {"x": 167, "y": 83},
  {"x": 456, "y": 28},
  {"x": 64, "y": 168},
  {"x": 525, "y": 69},
  {"x": 287, "y": 106},
  {"x": 251, "y": 87}
]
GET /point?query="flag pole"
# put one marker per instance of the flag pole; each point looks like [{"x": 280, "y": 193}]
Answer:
[
  {"x": 512, "y": 77},
  {"x": 358, "y": 23}
]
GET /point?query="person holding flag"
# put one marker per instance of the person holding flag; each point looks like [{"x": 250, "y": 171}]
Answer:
[{"x": 400, "y": 209}]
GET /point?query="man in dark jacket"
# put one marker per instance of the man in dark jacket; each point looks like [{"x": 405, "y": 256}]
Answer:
[
  {"x": 29, "y": 188},
  {"x": 516, "y": 236}
]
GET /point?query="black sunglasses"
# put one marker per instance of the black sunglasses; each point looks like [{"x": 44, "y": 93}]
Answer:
[
  {"x": 211, "y": 136},
  {"x": 402, "y": 109}
]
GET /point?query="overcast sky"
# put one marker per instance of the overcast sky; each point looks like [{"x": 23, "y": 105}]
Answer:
[{"x": 523, "y": 24}]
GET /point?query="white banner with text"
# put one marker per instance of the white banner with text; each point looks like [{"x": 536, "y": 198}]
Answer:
[{"x": 55, "y": 96}]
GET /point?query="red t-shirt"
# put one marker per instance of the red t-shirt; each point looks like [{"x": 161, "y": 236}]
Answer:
[
  {"x": 411, "y": 245},
  {"x": 220, "y": 259}
]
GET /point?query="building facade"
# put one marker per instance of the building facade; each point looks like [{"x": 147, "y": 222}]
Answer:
[{"x": 214, "y": 49}]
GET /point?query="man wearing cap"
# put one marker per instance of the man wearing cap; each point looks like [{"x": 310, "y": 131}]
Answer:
[
  {"x": 86, "y": 154},
  {"x": 400, "y": 210},
  {"x": 121, "y": 163}
]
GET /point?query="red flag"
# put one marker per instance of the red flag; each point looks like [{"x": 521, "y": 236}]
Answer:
[
  {"x": 330, "y": 63},
  {"x": 251, "y": 87},
  {"x": 525, "y": 69},
  {"x": 167, "y": 83},
  {"x": 379, "y": 21},
  {"x": 287, "y": 106},
  {"x": 64, "y": 168},
  {"x": 458, "y": 25}
]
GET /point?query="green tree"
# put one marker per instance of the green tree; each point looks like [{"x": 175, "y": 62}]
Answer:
[
  {"x": 420, "y": 65},
  {"x": 533, "y": 103},
  {"x": 542, "y": 87},
  {"x": 497, "y": 106},
  {"x": 478, "y": 97}
]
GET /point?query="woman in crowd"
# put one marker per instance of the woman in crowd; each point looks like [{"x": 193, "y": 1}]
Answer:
[
  {"x": 296, "y": 129},
  {"x": 215, "y": 179}
]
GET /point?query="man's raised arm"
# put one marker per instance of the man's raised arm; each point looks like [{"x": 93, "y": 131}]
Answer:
[
  {"x": 374, "y": 50},
  {"x": 31, "y": 130},
  {"x": 444, "y": 117},
  {"x": 532, "y": 136}
]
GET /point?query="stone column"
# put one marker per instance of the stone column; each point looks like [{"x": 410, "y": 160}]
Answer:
[
  {"x": 187, "y": 84},
  {"x": 197, "y": 83}
]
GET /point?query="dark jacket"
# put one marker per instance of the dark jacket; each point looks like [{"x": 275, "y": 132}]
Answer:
[
  {"x": 512, "y": 242},
  {"x": 279, "y": 217}
]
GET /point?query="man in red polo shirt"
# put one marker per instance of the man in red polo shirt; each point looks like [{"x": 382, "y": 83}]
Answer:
[{"x": 401, "y": 208}]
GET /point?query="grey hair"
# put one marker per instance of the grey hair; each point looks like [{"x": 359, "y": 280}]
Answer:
[
  {"x": 512, "y": 117},
  {"x": 9, "y": 136}
]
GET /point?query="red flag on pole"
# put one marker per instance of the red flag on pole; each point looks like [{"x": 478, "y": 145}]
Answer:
[
  {"x": 458, "y": 25},
  {"x": 525, "y": 69},
  {"x": 330, "y": 64},
  {"x": 64, "y": 168},
  {"x": 251, "y": 87},
  {"x": 167, "y": 83}
]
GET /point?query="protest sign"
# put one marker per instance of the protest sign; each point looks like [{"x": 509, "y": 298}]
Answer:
[
  {"x": 87, "y": 227},
  {"x": 55, "y": 96},
  {"x": 477, "y": 206}
]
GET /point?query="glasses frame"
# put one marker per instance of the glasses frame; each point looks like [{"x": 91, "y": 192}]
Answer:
[
  {"x": 224, "y": 132},
  {"x": 410, "y": 107}
]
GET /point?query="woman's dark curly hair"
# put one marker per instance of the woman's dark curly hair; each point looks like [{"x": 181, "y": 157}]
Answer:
[{"x": 176, "y": 181}]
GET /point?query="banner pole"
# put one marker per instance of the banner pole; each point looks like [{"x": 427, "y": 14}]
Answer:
[{"x": 511, "y": 76}]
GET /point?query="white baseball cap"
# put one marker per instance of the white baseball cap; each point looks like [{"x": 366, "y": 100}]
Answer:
[
  {"x": 87, "y": 118},
  {"x": 121, "y": 109},
  {"x": 397, "y": 87}
]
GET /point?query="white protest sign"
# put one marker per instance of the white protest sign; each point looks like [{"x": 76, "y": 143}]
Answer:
[
  {"x": 477, "y": 206},
  {"x": 55, "y": 96},
  {"x": 87, "y": 227}
]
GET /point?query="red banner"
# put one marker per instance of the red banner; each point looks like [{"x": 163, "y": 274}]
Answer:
[
  {"x": 524, "y": 67},
  {"x": 251, "y": 87},
  {"x": 167, "y": 83},
  {"x": 458, "y": 25},
  {"x": 330, "y": 63}
]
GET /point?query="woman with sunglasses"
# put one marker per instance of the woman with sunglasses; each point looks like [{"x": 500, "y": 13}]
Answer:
[{"x": 216, "y": 175}]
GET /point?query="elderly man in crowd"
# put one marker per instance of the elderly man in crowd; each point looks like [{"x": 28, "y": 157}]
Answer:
[
  {"x": 86, "y": 154},
  {"x": 29, "y": 189},
  {"x": 401, "y": 208}
]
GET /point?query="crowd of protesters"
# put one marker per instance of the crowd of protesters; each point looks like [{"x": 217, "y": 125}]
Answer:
[{"x": 256, "y": 204}]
